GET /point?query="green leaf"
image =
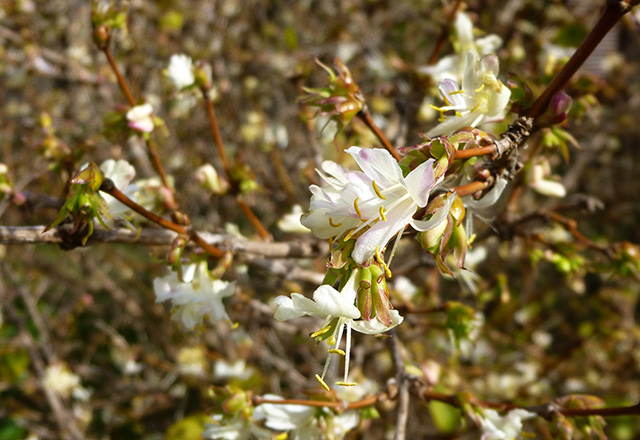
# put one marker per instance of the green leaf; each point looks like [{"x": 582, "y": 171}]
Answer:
[{"x": 446, "y": 418}]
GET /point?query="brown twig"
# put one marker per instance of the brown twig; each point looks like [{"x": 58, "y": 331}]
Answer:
[
  {"x": 613, "y": 12},
  {"x": 366, "y": 118},
  {"x": 109, "y": 188},
  {"x": 215, "y": 130},
  {"x": 444, "y": 33},
  {"x": 121, "y": 81}
]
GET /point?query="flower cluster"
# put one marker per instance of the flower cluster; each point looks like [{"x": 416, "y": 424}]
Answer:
[{"x": 195, "y": 295}]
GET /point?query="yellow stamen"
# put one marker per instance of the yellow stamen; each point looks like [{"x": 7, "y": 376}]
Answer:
[
  {"x": 283, "y": 436},
  {"x": 323, "y": 383},
  {"x": 331, "y": 341},
  {"x": 337, "y": 351},
  {"x": 335, "y": 225},
  {"x": 382, "y": 216},
  {"x": 320, "y": 332},
  {"x": 349, "y": 235},
  {"x": 356, "y": 207},
  {"x": 377, "y": 190},
  {"x": 458, "y": 114},
  {"x": 480, "y": 88},
  {"x": 457, "y": 92},
  {"x": 436, "y": 108},
  {"x": 387, "y": 271},
  {"x": 346, "y": 384},
  {"x": 476, "y": 107},
  {"x": 235, "y": 325}
]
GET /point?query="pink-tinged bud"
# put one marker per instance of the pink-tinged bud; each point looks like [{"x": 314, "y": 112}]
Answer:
[
  {"x": 18, "y": 199},
  {"x": 560, "y": 104},
  {"x": 175, "y": 253},
  {"x": 235, "y": 403}
]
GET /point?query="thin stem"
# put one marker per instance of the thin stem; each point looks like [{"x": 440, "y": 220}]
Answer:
[
  {"x": 470, "y": 188},
  {"x": 215, "y": 130},
  {"x": 612, "y": 13},
  {"x": 152, "y": 149},
  {"x": 110, "y": 188},
  {"x": 474, "y": 152},
  {"x": 123, "y": 84},
  {"x": 216, "y": 135},
  {"x": 444, "y": 33},
  {"x": 366, "y": 118},
  {"x": 255, "y": 221}
]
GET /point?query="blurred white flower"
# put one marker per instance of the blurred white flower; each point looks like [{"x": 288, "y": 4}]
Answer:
[
  {"x": 196, "y": 296},
  {"x": 211, "y": 180},
  {"x": 62, "y": 382},
  {"x": 304, "y": 422},
  {"x": 191, "y": 361},
  {"x": 238, "y": 370},
  {"x": 140, "y": 119},
  {"x": 482, "y": 97},
  {"x": 452, "y": 66},
  {"x": 180, "y": 71},
  {"x": 507, "y": 427},
  {"x": 538, "y": 180},
  {"x": 291, "y": 222},
  {"x": 373, "y": 204},
  {"x": 237, "y": 428}
]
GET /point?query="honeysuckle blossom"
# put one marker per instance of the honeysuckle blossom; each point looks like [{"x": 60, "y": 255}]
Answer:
[
  {"x": 482, "y": 97},
  {"x": 373, "y": 204},
  {"x": 291, "y": 222},
  {"x": 339, "y": 312},
  {"x": 140, "y": 119},
  {"x": 305, "y": 422},
  {"x": 237, "y": 428},
  {"x": 538, "y": 178},
  {"x": 180, "y": 71},
  {"x": 507, "y": 427},
  {"x": 63, "y": 382},
  {"x": 121, "y": 173},
  {"x": 452, "y": 66},
  {"x": 195, "y": 296}
]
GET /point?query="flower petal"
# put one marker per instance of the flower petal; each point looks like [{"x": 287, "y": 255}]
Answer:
[
  {"x": 375, "y": 326},
  {"x": 330, "y": 302}
]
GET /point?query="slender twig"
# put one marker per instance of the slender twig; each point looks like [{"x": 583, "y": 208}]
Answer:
[
  {"x": 612, "y": 13},
  {"x": 215, "y": 130},
  {"x": 403, "y": 385},
  {"x": 23, "y": 235},
  {"x": 470, "y": 188},
  {"x": 110, "y": 188},
  {"x": 366, "y": 118},
  {"x": 121, "y": 81},
  {"x": 444, "y": 33}
]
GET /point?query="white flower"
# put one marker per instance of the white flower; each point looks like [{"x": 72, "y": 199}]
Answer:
[
  {"x": 373, "y": 204},
  {"x": 191, "y": 361},
  {"x": 537, "y": 177},
  {"x": 507, "y": 427},
  {"x": 210, "y": 180},
  {"x": 180, "y": 71},
  {"x": 196, "y": 296},
  {"x": 238, "y": 370},
  {"x": 291, "y": 222},
  {"x": 60, "y": 380},
  {"x": 237, "y": 428},
  {"x": 140, "y": 119},
  {"x": 121, "y": 173},
  {"x": 482, "y": 97},
  {"x": 303, "y": 422},
  {"x": 330, "y": 304},
  {"x": 452, "y": 66}
]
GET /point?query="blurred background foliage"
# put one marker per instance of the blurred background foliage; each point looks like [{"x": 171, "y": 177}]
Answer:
[{"x": 559, "y": 317}]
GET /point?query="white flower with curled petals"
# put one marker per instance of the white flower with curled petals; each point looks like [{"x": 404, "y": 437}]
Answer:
[
  {"x": 338, "y": 310},
  {"x": 373, "y": 204},
  {"x": 482, "y": 97},
  {"x": 180, "y": 71}
]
